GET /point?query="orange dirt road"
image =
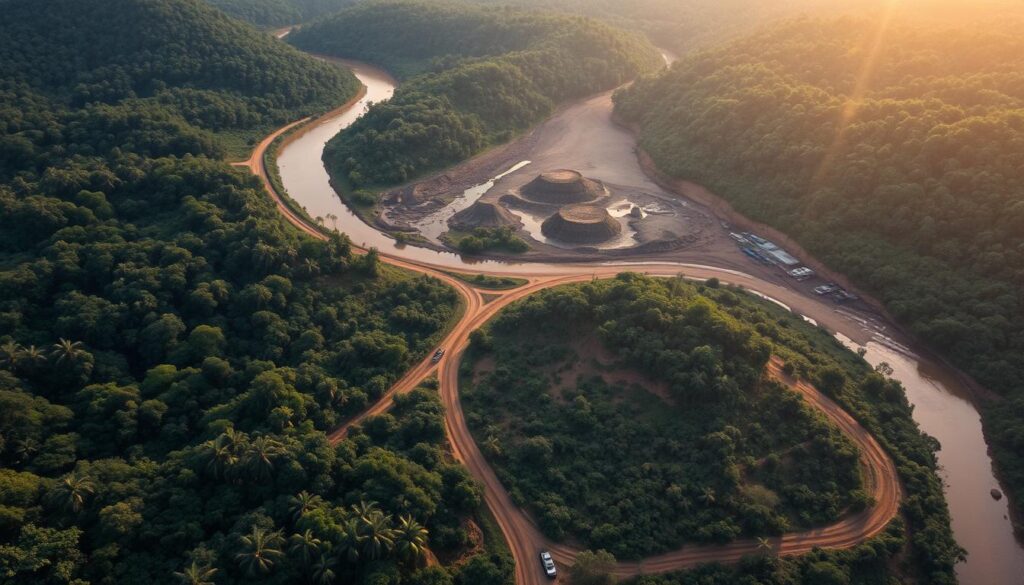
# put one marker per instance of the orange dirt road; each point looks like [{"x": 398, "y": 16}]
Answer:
[{"x": 524, "y": 538}]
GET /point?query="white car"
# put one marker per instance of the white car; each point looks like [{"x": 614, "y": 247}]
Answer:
[
  {"x": 826, "y": 288},
  {"x": 549, "y": 564}
]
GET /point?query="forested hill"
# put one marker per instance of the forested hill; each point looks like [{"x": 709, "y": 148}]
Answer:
[
  {"x": 919, "y": 197},
  {"x": 679, "y": 25},
  {"x": 181, "y": 56},
  {"x": 172, "y": 351},
  {"x": 275, "y": 13},
  {"x": 687, "y": 25},
  {"x": 483, "y": 75},
  {"x": 410, "y": 37}
]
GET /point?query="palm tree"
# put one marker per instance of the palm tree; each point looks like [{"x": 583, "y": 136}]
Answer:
[
  {"x": 310, "y": 267},
  {"x": 302, "y": 503},
  {"x": 351, "y": 542},
  {"x": 221, "y": 459},
  {"x": 260, "y": 549},
  {"x": 196, "y": 574},
  {"x": 222, "y": 453},
  {"x": 10, "y": 354},
  {"x": 304, "y": 546},
  {"x": 378, "y": 536},
  {"x": 764, "y": 546},
  {"x": 363, "y": 510},
  {"x": 492, "y": 446},
  {"x": 259, "y": 458},
  {"x": 236, "y": 440},
  {"x": 24, "y": 448},
  {"x": 708, "y": 495},
  {"x": 411, "y": 540},
  {"x": 66, "y": 351},
  {"x": 264, "y": 256},
  {"x": 32, "y": 357},
  {"x": 72, "y": 492},
  {"x": 323, "y": 570}
]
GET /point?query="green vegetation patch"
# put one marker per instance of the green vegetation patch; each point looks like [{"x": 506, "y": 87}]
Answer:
[
  {"x": 412, "y": 435},
  {"x": 488, "y": 281},
  {"x": 707, "y": 449},
  {"x": 485, "y": 239},
  {"x": 918, "y": 199},
  {"x": 475, "y": 77}
]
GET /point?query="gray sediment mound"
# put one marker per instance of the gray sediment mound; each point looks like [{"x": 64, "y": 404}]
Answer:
[
  {"x": 563, "y": 187},
  {"x": 482, "y": 214},
  {"x": 585, "y": 224}
]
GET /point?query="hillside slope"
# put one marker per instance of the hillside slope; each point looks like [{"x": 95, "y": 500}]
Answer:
[
  {"x": 178, "y": 55},
  {"x": 275, "y": 13},
  {"x": 905, "y": 171},
  {"x": 474, "y": 78},
  {"x": 686, "y": 25}
]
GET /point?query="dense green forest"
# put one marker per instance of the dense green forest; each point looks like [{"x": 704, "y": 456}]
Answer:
[
  {"x": 706, "y": 344},
  {"x": 171, "y": 351},
  {"x": 722, "y": 452},
  {"x": 904, "y": 171},
  {"x": 684, "y": 25},
  {"x": 676, "y": 25},
  {"x": 173, "y": 63},
  {"x": 724, "y": 431},
  {"x": 278, "y": 13},
  {"x": 474, "y": 77}
]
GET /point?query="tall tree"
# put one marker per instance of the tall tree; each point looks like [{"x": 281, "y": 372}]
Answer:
[{"x": 260, "y": 550}]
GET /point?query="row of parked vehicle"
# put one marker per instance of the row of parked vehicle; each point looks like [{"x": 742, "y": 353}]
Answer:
[{"x": 767, "y": 253}]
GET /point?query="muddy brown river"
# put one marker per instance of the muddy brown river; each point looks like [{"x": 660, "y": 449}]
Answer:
[{"x": 942, "y": 406}]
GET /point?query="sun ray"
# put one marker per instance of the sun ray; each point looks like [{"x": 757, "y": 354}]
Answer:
[{"x": 873, "y": 45}]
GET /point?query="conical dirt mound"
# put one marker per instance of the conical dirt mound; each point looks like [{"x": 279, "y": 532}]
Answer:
[
  {"x": 482, "y": 214},
  {"x": 584, "y": 224},
  {"x": 562, "y": 187}
]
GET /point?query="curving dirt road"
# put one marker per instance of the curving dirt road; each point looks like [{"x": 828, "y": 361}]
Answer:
[{"x": 524, "y": 538}]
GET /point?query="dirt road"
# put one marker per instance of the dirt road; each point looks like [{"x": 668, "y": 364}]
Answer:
[{"x": 522, "y": 535}]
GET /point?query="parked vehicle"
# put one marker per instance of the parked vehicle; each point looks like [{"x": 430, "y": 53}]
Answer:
[
  {"x": 841, "y": 295},
  {"x": 549, "y": 564},
  {"x": 802, "y": 273},
  {"x": 826, "y": 288}
]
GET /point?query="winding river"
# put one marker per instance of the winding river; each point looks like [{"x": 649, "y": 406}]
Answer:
[{"x": 942, "y": 405}]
